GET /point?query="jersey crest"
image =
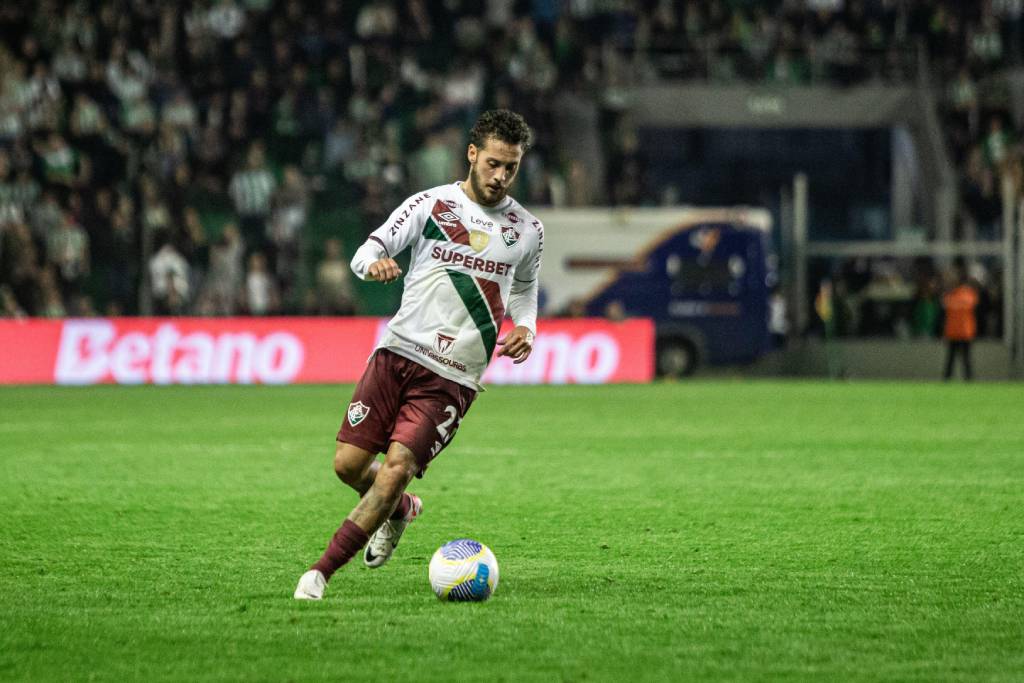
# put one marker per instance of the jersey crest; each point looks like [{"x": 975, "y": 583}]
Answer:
[{"x": 509, "y": 235}]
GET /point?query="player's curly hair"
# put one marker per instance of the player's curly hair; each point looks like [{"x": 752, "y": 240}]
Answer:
[{"x": 505, "y": 125}]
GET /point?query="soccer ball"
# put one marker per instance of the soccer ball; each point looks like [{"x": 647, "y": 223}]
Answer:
[{"x": 463, "y": 571}]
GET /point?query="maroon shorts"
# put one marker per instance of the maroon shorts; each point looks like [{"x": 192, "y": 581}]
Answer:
[{"x": 400, "y": 400}]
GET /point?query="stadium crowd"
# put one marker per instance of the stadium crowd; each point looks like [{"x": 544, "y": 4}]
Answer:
[
  {"x": 122, "y": 121},
  {"x": 119, "y": 119}
]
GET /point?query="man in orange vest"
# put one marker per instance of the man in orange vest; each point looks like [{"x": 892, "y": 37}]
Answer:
[{"x": 961, "y": 326}]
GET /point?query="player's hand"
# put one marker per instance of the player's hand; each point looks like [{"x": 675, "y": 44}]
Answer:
[
  {"x": 517, "y": 344},
  {"x": 385, "y": 270}
]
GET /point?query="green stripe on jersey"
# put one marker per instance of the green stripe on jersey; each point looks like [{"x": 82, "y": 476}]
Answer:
[
  {"x": 478, "y": 309},
  {"x": 432, "y": 232}
]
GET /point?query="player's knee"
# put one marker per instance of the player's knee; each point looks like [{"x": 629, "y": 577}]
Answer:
[
  {"x": 349, "y": 470},
  {"x": 397, "y": 472}
]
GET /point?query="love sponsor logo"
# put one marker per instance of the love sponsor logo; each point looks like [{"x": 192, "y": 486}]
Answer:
[{"x": 357, "y": 412}]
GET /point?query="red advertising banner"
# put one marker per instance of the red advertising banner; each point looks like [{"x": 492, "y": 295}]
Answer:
[
  {"x": 581, "y": 351},
  {"x": 289, "y": 350}
]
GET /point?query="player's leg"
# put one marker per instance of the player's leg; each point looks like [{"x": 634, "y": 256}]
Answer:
[
  {"x": 364, "y": 432},
  {"x": 399, "y": 467},
  {"x": 371, "y": 422},
  {"x": 425, "y": 425},
  {"x": 968, "y": 371},
  {"x": 355, "y": 466},
  {"x": 406, "y": 508},
  {"x": 373, "y": 509},
  {"x": 358, "y": 468}
]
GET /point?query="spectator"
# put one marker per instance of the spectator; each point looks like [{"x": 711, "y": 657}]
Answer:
[
  {"x": 576, "y": 308},
  {"x": 985, "y": 42},
  {"x": 778, "y": 318},
  {"x": 10, "y": 208},
  {"x": 334, "y": 282},
  {"x": 123, "y": 259},
  {"x": 67, "y": 249},
  {"x": 9, "y": 307},
  {"x": 291, "y": 207},
  {"x": 19, "y": 265},
  {"x": 433, "y": 164},
  {"x": 87, "y": 120},
  {"x": 61, "y": 164},
  {"x": 181, "y": 113},
  {"x": 154, "y": 214},
  {"x": 339, "y": 144},
  {"x": 169, "y": 278},
  {"x": 627, "y": 185},
  {"x": 210, "y": 159},
  {"x": 82, "y": 306},
  {"x": 191, "y": 240},
  {"x": 261, "y": 295},
  {"x": 615, "y": 311},
  {"x": 252, "y": 190},
  {"x": 927, "y": 308},
  {"x": 359, "y": 86},
  {"x": 226, "y": 20},
  {"x": 224, "y": 278},
  {"x": 997, "y": 142},
  {"x": 376, "y": 20},
  {"x": 960, "y": 327},
  {"x": 982, "y": 204},
  {"x": 51, "y": 303}
]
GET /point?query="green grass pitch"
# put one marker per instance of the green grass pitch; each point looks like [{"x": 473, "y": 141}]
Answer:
[{"x": 710, "y": 530}]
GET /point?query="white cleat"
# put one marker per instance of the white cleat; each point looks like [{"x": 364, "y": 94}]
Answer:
[
  {"x": 311, "y": 586},
  {"x": 384, "y": 541}
]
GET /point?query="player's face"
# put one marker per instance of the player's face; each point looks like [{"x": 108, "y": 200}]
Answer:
[{"x": 492, "y": 168}]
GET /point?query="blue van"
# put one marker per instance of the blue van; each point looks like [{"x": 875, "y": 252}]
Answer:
[{"x": 707, "y": 287}]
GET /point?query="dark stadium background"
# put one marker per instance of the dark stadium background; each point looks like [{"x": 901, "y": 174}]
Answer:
[{"x": 126, "y": 125}]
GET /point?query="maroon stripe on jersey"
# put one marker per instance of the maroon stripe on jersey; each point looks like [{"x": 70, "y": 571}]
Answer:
[
  {"x": 383, "y": 246},
  {"x": 449, "y": 223},
  {"x": 492, "y": 292}
]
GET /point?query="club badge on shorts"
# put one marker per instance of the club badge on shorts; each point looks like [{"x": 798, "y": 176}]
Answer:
[{"x": 357, "y": 412}]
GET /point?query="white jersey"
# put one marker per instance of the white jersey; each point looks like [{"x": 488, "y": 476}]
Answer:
[{"x": 470, "y": 264}]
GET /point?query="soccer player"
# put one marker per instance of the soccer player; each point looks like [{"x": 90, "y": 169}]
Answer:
[{"x": 476, "y": 252}]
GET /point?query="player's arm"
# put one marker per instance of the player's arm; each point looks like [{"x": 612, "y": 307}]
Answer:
[
  {"x": 522, "y": 306},
  {"x": 374, "y": 260}
]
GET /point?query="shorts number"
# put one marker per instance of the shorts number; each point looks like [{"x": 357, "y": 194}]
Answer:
[{"x": 442, "y": 429}]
